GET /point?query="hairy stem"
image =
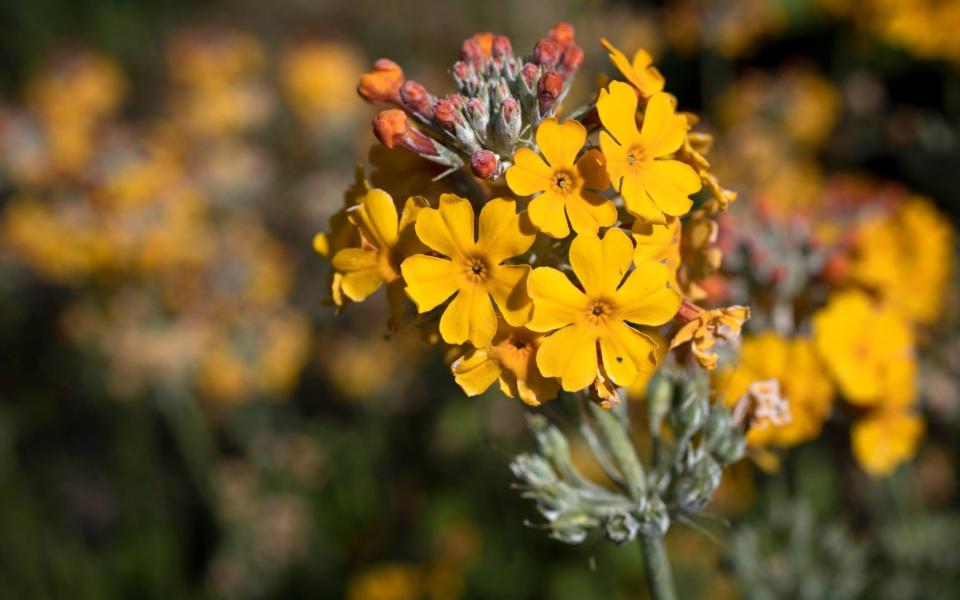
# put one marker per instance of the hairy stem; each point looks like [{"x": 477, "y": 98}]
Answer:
[{"x": 659, "y": 576}]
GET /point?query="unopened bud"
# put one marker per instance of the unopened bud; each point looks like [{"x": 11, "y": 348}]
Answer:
[
  {"x": 571, "y": 61},
  {"x": 476, "y": 50},
  {"x": 622, "y": 527},
  {"x": 447, "y": 114},
  {"x": 562, "y": 33},
  {"x": 392, "y": 129},
  {"x": 547, "y": 53},
  {"x": 478, "y": 116},
  {"x": 697, "y": 484},
  {"x": 549, "y": 89},
  {"x": 502, "y": 48},
  {"x": 530, "y": 75},
  {"x": 382, "y": 84},
  {"x": 509, "y": 123},
  {"x": 417, "y": 99},
  {"x": 485, "y": 164}
]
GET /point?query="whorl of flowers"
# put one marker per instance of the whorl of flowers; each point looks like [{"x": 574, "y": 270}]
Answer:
[{"x": 567, "y": 284}]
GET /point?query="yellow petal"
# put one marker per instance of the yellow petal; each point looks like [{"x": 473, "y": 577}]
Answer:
[
  {"x": 321, "y": 245},
  {"x": 547, "y": 214},
  {"x": 592, "y": 168},
  {"x": 663, "y": 130},
  {"x": 408, "y": 243},
  {"x": 560, "y": 144},
  {"x": 430, "y": 280},
  {"x": 670, "y": 183},
  {"x": 571, "y": 355},
  {"x": 617, "y": 107},
  {"x": 601, "y": 264},
  {"x": 638, "y": 202},
  {"x": 349, "y": 260},
  {"x": 615, "y": 158},
  {"x": 449, "y": 229},
  {"x": 357, "y": 285},
  {"x": 648, "y": 78},
  {"x": 376, "y": 216},
  {"x": 655, "y": 242},
  {"x": 589, "y": 212},
  {"x": 529, "y": 174},
  {"x": 475, "y": 372},
  {"x": 626, "y": 352},
  {"x": 645, "y": 298},
  {"x": 469, "y": 317},
  {"x": 508, "y": 286},
  {"x": 503, "y": 234},
  {"x": 556, "y": 301}
]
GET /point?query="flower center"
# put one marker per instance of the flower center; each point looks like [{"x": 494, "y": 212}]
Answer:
[
  {"x": 598, "y": 311},
  {"x": 476, "y": 269},
  {"x": 635, "y": 156},
  {"x": 564, "y": 182}
]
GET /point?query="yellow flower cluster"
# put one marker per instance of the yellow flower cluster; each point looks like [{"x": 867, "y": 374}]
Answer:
[{"x": 568, "y": 293}]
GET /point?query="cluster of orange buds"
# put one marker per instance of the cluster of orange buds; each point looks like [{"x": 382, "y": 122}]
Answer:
[{"x": 500, "y": 101}]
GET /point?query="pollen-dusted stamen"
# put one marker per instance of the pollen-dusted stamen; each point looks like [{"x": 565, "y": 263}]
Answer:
[
  {"x": 597, "y": 310},
  {"x": 564, "y": 182},
  {"x": 476, "y": 269}
]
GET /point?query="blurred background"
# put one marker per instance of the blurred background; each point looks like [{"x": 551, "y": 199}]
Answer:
[{"x": 182, "y": 415}]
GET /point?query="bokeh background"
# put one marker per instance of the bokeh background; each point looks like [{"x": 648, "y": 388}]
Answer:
[{"x": 182, "y": 414}]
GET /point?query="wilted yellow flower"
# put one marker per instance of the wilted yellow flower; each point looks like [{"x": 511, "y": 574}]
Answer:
[
  {"x": 317, "y": 79},
  {"x": 640, "y": 71},
  {"x": 474, "y": 269},
  {"x": 562, "y": 182},
  {"x": 868, "y": 348},
  {"x": 907, "y": 257},
  {"x": 653, "y": 187},
  {"x": 803, "y": 384},
  {"x": 388, "y": 581},
  {"x": 511, "y": 358},
  {"x": 706, "y": 327},
  {"x": 597, "y": 317},
  {"x": 886, "y": 438}
]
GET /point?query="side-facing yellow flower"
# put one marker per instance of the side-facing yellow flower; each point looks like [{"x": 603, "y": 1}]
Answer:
[
  {"x": 640, "y": 71},
  {"x": 706, "y": 327},
  {"x": 886, "y": 438},
  {"x": 658, "y": 242},
  {"x": 653, "y": 187},
  {"x": 473, "y": 270},
  {"x": 868, "y": 348},
  {"x": 562, "y": 181},
  {"x": 598, "y": 315},
  {"x": 511, "y": 358}
]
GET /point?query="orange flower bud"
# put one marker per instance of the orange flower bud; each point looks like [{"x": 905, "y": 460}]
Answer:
[
  {"x": 547, "y": 53},
  {"x": 485, "y": 164},
  {"x": 562, "y": 33},
  {"x": 502, "y": 48},
  {"x": 392, "y": 129},
  {"x": 382, "y": 84},
  {"x": 548, "y": 91},
  {"x": 417, "y": 99}
]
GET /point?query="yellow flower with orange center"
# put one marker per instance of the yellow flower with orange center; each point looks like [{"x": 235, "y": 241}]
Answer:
[
  {"x": 472, "y": 270},
  {"x": 886, "y": 438},
  {"x": 652, "y": 185},
  {"x": 596, "y": 317},
  {"x": 868, "y": 348},
  {"x": 562, "y": 181},
  {"x": 640, "y": 71},
  {"x": 511, "y": 359},
  {"x": 706, "y": 327}
]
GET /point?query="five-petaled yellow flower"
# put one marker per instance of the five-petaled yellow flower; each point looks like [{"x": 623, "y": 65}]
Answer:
[
  {"x": 563, "y": 180},
  {"x": 473, "y": 270},
  {"x": 653, "y": 187},
  {"x": 386, "y": 241},
  {"x": 598, "y": 315},
  {"x": 640, "y": 71}
]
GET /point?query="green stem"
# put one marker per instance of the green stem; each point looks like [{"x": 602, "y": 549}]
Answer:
[{"x": 659, "y": 576}]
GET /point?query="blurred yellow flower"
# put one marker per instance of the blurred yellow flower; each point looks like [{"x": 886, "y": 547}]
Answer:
[
  {"x": 706, "y": 327},
  {"x": 640, "y": 72},
  {"x": 868, "y": 348},
  {"x": 794, "y": 364},
  {"x": 653, "y": 187},
  {"x": 562, "y": 181},
  {"x": 473, "y": 270},
  {"x": 317, "y": 79},
  {"x": 885, "y": 438},
  {"x": 387, "y": 581},
  {"x": 598, "y": 315},
  {"x": 511, "y": 358}
]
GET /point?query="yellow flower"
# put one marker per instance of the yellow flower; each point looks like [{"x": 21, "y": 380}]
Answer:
[
  {"x": 706, "y": 327},
  {"x": 868, "y": 349},
  {"x": 387, "y": 241},
  {"x": 317, "y": 79},
  {"x": 511, "y": 358},
  {"x": 886, "y": 438},
  {"x": 598, "y": 315},
  {"x": 652, "y": 187},
  {"x": 658, "y": 242},
  {"x": 794, "y": 364},
  {"x": 563, "y": 181},
  {"x": 640, "y": 72},
  {"x": 474, "y": 269}
]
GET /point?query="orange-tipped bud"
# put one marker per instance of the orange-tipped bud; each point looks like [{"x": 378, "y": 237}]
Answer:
[
  {"x": 382, "y": 84},
  {"x": 447, "y": 113},
  {"x": 392, "y": 129},
  {"x": 477, "y": 50},
  {"x": 562, "y": 33},
  {"x": 571, "y": 61},
  {"x": 547, "y": 53},
  {"x": 530, "y": 74},
  {"x": 417, "y": 99},
  {"x": 485, "y": 164},
  {"x": 548, "y": 92},
  {"x": 502, "y": 48}
]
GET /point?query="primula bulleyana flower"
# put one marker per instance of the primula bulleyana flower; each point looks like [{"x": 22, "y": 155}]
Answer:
[
  {"x": 886, "y": 438},
  {"x": 653, "y": 187},
  {"x": 658, "y": 242},
  {"x": 473, "y": 270},
  {"x": 562, "y": 181},
  {"x": 640, "y": 71},
  {"x": 597, "y": 317},
  {"x": 793, "y": 363},
  {"x": 387, "y": 241},
  {"x": 511, "y": 358},
  {"x": 706, "y": 328},
  {"x": 868, "y": 349}
]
